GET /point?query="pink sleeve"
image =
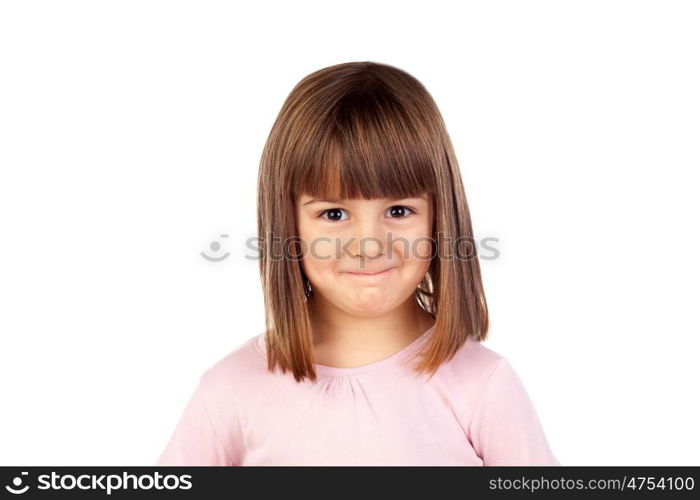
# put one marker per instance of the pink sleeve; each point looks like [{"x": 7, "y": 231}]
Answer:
[
  {"x": 195, "y": 440},
  {"x": 505, "y": 428}
]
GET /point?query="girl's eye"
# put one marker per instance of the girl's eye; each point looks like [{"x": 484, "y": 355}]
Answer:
[
  {"x": 335, "y": 214},
  {"x": 399, "y": 210}
]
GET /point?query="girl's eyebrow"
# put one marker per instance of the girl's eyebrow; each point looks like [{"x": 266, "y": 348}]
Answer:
[
  {"x": 314, "y": 200},
  {"x": 332, "y": 200}
]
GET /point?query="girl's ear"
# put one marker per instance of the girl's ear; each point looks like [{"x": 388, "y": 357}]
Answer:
[{"x": 307, "y": 289}]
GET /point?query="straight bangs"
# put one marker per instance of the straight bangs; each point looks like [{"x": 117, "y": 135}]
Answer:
[{"x": 366, "y": 147}]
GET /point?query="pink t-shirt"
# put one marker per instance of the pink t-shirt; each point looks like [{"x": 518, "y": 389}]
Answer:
[{"x": 473, "y": 411}]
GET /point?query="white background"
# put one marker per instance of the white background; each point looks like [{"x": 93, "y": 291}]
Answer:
[{"x": 130, "y": 136}]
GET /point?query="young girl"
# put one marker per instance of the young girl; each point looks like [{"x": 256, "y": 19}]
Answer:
[{"x": 375, "y": 310}]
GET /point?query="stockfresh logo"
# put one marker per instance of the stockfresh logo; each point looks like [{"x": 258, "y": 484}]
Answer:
[
  {"x": 17, "y": 487},
  {"x": 102, "y": 482}
]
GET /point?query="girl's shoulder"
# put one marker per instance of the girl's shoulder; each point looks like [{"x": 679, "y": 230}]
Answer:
[
  {"x": 237, "y": 370},
  {"x": 475, "y": 357},
  {"x": 474, "y": 363}
]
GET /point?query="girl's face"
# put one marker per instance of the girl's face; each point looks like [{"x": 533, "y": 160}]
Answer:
[{"x": 343, "y": 241}]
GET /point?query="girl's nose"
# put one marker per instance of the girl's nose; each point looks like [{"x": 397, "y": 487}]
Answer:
[{"x": 369, "y": 239}]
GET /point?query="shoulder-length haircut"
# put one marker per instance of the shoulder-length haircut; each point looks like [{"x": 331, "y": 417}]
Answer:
[{"x": 364, "y": 130}]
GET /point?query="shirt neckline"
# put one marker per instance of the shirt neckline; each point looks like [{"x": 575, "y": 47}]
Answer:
[{"x": 392, "y": 361}]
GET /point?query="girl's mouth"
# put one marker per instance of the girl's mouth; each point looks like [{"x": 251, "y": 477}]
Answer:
[{"x": 370, "y": 275}]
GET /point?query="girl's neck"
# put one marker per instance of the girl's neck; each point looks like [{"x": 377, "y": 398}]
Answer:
[{"x": 344, "y": 340}]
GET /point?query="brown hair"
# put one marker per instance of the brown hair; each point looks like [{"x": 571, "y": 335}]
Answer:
[{"x": 364, "y": 130}]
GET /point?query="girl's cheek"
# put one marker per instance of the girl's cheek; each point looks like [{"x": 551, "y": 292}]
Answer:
[
  {"x": 321, "y": 249},
  {"x": 422, "y": 248}
]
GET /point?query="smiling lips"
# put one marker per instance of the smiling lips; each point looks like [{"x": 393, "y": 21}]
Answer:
[{"x": 370, "y": 274}]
